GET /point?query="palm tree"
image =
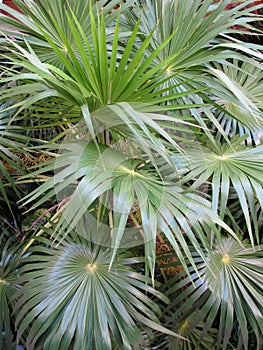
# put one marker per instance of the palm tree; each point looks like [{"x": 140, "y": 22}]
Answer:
[{"x": 149, "y": 118}]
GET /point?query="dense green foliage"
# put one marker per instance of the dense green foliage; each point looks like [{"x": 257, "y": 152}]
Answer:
[{"x": 131, "y": 182}]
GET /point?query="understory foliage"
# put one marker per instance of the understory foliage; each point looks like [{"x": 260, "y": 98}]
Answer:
[{"x": 131, "y": 187}]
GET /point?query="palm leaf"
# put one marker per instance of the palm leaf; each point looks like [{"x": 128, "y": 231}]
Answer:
[
  {"x": 44, "y": 15},
  {"x": 229, "y": 166},
  {"x": 82, "y": 301},
  {"x": 198, "y": 30},
  {"x": 231, "y": 290},
  {"x": 189, "y": 21},
  {"x": 88, "y": 84},
  {"x": 86, "y": 171},
  {"x": 245, "y": 103}
]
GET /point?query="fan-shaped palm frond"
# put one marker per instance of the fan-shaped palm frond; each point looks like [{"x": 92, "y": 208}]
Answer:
[
  {"x": 196, "y": 28},
  {"x": 86, "y": 171},
  {"x": 95, "y": 79},
  {"x": 229, "y": 165},
  {"x": 238, "y": 88},
  {"x": 231, "y": 290},
  {"x": 70, "y": 298},
  {"x": 39, "y": 18},
  {"x": 190, "y": 21}
]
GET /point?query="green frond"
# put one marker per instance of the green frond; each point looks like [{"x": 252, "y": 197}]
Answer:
[
  {"x": 231, "y": 290},
  {"x": 229, "y": 166},
  {"x": 150, "y": 114},
  {"x": 81, "y": 301},
  {"x": 87, "y": 171}
]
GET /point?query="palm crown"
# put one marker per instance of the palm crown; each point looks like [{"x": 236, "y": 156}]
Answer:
[{"x": 157, "y": 111}]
